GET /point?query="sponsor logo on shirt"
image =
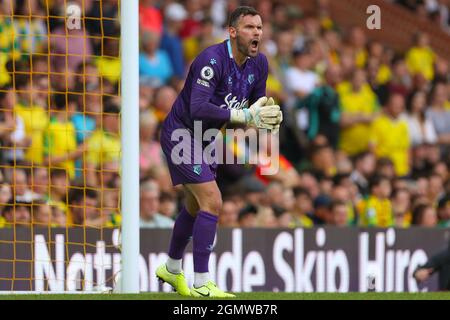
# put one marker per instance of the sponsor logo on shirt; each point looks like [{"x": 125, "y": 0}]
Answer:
[
  {"x": 233, "y": 103},
  {"x": 207, "y": 73},
  {"x": 197, "y": 169},
  {"x": 251, "y": 78},
  {"x": 203, "y": 83}
]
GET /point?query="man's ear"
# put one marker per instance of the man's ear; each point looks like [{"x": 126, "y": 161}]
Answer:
[{"x": 232, "y": 31}]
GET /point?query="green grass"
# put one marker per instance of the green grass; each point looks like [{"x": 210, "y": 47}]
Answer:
[{"x": 240, "y": 296}]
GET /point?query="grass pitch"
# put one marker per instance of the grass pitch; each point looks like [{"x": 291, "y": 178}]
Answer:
[{"x": 240, "y": 296}]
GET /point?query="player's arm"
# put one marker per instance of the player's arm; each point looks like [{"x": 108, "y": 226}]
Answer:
[{"x": 206, "y": 76}]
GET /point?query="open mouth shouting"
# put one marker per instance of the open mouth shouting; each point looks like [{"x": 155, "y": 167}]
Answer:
[{"x": 254, "y": 44}]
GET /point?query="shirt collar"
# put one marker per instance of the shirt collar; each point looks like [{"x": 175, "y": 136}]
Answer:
[{"x": 230, "y": 52}]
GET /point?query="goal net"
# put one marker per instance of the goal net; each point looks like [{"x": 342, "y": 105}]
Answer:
[{"x": 60, "y": 145}]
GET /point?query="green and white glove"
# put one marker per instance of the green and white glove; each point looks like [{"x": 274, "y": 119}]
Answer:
[
  {"x": 275, "y": 118},
  {"x": 249, "y": 116},
  {"x": 260, "y": 114}
]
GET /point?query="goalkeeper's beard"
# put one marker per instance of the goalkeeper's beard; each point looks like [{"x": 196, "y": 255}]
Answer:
[{"x": 244, "y": 48}]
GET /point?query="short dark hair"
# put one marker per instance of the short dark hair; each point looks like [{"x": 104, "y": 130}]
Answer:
[
  {"x": 241, "y": 11},
  {"x": 339, "y": 177},
  {"x": 248, "y": 210},
  {"x": 278, "y": 211},
  {"x": 111, "y": 108},
  {"x": 59, "y": 99},
  {"x": 166, "y": 196},
  {"x": 319, "y": 147},
  {"x": 58, "y": 172},
  {"x": 397, "y": 191},
  {"x": 14, "y": 203},
  {"x": 77, "y": 194},
  {"x": 418, "y": 213},
  {"x": 4, "y": 90},
  {"x": 301, "y": 191},
  {"x": 336, "y": 203},
  {"x": 384, "y": 161},
  {"x": 376, "y": 180},
  {"x": 360, "y": 156}
]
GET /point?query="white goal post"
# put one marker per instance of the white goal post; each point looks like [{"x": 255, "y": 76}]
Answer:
[
  {"x": 72, "y": 257},
  {"x": 129, "y": 18}
]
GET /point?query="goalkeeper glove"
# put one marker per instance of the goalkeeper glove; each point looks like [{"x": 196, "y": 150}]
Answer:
[
  {"x": 259, "y": 114},
  {"x": 275, "y": 121}
]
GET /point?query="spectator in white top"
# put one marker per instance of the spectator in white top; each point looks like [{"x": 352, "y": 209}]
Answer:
[
  {"x": 438, "y": 113},
  {"x": 444, "y": 14},
  {"x": 421, "y": 128},
  {"x": 12, "y": 129},
  {"x": 149, "y": 206},
  {"x": 300, "y": 82}
]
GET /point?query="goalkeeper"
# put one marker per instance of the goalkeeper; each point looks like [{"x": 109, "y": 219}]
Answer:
[{"x": 222, "y": 81}]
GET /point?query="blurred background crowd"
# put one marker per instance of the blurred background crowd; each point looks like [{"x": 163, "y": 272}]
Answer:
[
  {"x": 435, "y": 11},
  {"x": 365, "y": 140}
]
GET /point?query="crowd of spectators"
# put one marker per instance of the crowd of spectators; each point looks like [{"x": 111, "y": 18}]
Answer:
[
  {"x": 60, "y": 112},
  {"x": 434, "y": 11},
  {"x": 365, "y": 139}
]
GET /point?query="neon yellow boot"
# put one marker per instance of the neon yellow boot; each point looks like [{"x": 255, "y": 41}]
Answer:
[{"x": 177, "y": 281}]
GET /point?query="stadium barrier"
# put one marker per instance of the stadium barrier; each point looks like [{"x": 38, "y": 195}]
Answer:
[{"x": 302, "y": 260}]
